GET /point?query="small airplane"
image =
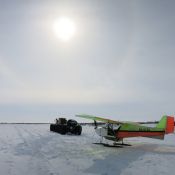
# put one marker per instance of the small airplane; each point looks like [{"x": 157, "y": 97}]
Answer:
[{"x": 117, "y": 131}]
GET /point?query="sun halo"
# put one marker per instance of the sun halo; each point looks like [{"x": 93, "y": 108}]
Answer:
[{"x": 64, "y": 28}]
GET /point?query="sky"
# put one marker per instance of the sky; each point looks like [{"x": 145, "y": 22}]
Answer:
[{"x": 119, "y": 64}]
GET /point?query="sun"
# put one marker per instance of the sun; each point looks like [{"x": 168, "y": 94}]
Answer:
[{"x": 64, "y": 28}]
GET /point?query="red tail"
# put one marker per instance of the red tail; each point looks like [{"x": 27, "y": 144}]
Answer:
[{"x": 169, "y": 125}]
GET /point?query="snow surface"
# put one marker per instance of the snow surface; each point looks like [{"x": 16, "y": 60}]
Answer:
[{"x": 31, "y": 149}]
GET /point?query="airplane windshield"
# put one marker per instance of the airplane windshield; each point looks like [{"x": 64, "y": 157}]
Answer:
[{"x": 112, "y": 126}]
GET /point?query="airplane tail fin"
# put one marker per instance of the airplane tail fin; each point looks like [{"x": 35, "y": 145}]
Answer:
[
  {"x": 167, "y": 123},
  {"x": 170, "y": 125}
]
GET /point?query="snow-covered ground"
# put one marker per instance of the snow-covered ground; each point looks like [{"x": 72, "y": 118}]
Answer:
[{"x": 27, "y": 149}]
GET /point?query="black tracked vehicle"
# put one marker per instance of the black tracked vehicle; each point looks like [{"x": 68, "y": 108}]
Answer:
[{"x": 64, "y": 126}]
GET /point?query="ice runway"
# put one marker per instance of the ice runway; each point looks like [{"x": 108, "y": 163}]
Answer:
[{"x": 31, "y": 149}]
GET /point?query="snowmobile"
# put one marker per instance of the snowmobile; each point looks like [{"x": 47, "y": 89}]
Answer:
[{"x": 64, "y": 126}]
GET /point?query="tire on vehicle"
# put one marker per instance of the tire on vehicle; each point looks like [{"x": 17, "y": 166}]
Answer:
[{"x": 78, "y": 130}]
